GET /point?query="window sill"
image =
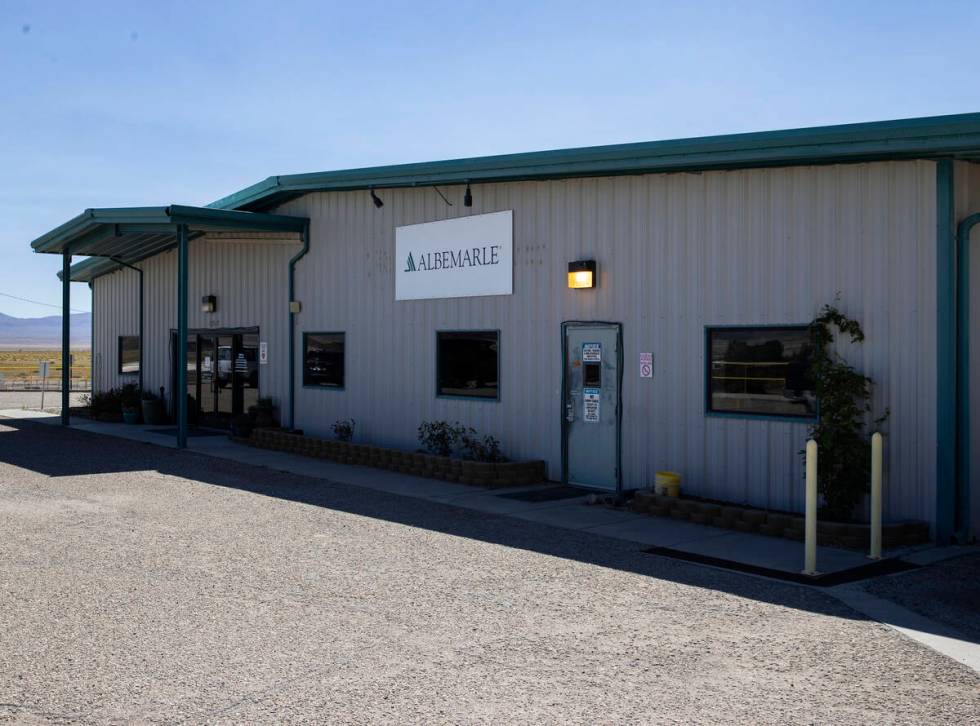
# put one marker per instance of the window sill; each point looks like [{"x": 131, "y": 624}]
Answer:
[
  {"x": 453, "y": 397},
  {"x": 761, "y": 417}
]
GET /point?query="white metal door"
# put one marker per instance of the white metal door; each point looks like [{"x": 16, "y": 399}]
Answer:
[{"x": 592, "y": 380}]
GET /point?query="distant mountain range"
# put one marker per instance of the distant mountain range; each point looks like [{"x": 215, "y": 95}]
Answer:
[{"x": 44, "y": 332}]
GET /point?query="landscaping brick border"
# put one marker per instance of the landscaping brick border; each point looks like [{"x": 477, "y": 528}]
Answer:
[
  {"x": 475, "y": 473},
  {"x": 776, "y": 524}
]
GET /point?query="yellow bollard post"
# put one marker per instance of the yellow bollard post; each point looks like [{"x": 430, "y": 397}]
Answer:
[
  {"x": 876, "y": 457},
  {"x": 810, "y": 531}
]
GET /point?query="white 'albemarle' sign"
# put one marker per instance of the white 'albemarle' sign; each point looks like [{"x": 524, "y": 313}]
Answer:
[{"x": 462, "y": 257}]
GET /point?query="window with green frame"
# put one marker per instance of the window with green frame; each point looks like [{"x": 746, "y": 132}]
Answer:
[
  {"x": 129, "y": 355},
  {"x": 761, "y": 371},
  {"x": 467, "y": 362},
  {"x": 323, "y": 360}
]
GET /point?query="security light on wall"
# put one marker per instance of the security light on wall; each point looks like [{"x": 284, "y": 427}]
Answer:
[
  {"x": 468, "y": 196},
  {"x": 581, "y": 274},
  {"x": 376, "y": 199},
  {"x": 209, "y": 303}
]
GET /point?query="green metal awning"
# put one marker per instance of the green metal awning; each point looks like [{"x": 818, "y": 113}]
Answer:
[
  {"x": 127, "y": 235},
  {"x": 123, "y": 236}
]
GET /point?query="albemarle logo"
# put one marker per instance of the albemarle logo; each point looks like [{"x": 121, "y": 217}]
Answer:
[{"x": 449, "y": 259}]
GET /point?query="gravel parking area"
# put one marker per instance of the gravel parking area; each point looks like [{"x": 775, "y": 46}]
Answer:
[
  {"x": 947, "y": 592},
  {"x": 32, "y": 400},
  {"x": 140, "y": 583}
]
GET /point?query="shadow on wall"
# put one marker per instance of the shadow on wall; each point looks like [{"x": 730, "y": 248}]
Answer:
[{"x": 57, "y": 452}]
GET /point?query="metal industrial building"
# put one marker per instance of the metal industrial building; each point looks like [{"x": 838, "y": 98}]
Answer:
[{"x": 298, "y": 288}]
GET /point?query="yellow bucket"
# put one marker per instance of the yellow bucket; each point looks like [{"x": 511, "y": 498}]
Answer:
[{"x": 668, "y": 483}]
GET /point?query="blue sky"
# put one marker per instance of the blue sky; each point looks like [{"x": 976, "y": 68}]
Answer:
[{"x": 114, "y": 104}]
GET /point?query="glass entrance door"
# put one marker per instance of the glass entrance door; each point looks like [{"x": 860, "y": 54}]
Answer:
[
  {"x": 208, "y": 347},
  {"x": 222, "y": 375},
  {"x": 224, "y": 379}
]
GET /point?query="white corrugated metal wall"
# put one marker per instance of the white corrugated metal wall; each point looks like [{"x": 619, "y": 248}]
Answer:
[
  {"x": 967, "y": 186},
  {"x": 115, "y": 312},
  {"x": 247, "y": 274},
  {"x": 676, "y": 252}
]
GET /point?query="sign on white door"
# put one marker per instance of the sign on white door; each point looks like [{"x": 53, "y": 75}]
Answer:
[{"x": 463, "y": 257}]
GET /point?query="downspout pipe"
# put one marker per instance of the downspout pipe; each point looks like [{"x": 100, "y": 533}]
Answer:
[
  {"x": 181, "y": 393},
  {"x": 292, "y": 323},
  {"x": 962, "y": 521},
  {"x": 131, "y": 267}
]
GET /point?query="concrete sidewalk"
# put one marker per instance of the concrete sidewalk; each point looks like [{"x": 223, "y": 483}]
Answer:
[{"x": 757, "y": 550}]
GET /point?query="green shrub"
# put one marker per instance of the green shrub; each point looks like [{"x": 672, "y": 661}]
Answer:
[
  {"x": 129, "y": 396},
  {"x": 445, "y": 439},
  {"x": 485, "y": 449},
  {"x": 344, "y": 430},
  {"x": 844, "y": 397},
  {"x": 105, "y": 402},
  {"x": 440, "y": 437}
]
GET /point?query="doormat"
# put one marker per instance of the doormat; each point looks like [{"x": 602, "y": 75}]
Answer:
[
  {"x": 831, "y": 579},
  {"x": 546, "y": 494},
  {"x": 190, "y": 432}
]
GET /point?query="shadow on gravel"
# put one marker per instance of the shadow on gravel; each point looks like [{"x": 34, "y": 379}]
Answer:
[{"x": 57, "y": 453}]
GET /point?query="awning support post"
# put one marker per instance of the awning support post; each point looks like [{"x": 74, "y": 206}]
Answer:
[
  {"x": 65, "y": 334},
  {"x": 181, "y": 392}
]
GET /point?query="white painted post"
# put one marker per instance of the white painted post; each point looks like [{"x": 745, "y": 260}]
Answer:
[
  {"x": 810, "y": 531},
  {"x": 876, "y": 457}
]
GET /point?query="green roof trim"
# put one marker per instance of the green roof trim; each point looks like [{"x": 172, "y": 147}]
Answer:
[
  {"x": 932, "y": 137},
  {"x": 116, "y": 237}
]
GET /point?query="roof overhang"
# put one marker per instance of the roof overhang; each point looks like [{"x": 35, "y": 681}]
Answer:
[
  {"x": 956, "y": 137},
  {"x": 124, "y": 236}
]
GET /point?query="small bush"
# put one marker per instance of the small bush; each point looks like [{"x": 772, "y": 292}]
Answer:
[
  {"x": 105, "y": 402},
  {"x": 445, "y": 439},
  {"x": 129, "y": 396},
  {"x": 344, "y": 430},
  {"x": 485, "y": 449},
  {"x": 440, "y": 437}
]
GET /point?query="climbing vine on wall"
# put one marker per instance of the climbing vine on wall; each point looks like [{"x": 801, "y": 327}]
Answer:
[{"x": 842, "y": 430}]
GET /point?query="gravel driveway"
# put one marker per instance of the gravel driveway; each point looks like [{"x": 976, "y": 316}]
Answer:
[
  {"x": 32, "y": 399},
  {"x": 140, "y": 583}
]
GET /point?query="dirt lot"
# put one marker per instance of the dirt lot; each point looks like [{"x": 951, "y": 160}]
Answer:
[
  {"x": 144, "y": 584},
  {"x": 19, "y": 365}
]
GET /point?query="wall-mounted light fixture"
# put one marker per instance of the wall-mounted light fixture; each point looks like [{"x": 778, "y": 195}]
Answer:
[
  {"x": 581, "y": 274},
  {"x": 209, "y": 303},
  {"x": 468, "y": 197},
  {"x": 376, "y": 199}
]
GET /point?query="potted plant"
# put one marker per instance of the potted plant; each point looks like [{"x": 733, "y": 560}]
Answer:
[
  {"x": 129, "y": 399},
  {"x": 262, "y": 413},
  {"x": 241, "y": 426},
  {"x": 152, "y": 407}
]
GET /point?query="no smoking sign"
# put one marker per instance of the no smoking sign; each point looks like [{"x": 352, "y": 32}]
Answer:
[{"x": 646, "y": 365}]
